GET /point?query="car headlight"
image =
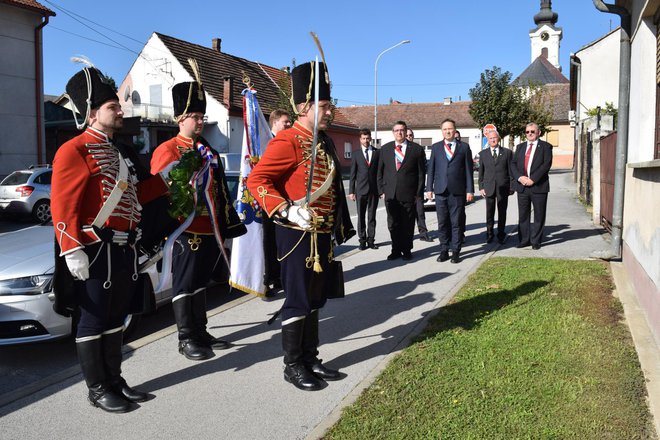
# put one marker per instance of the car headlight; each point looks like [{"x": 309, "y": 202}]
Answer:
[{"x": 33, "y": 285}]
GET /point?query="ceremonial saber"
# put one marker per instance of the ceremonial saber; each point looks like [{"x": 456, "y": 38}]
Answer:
[{"x": 315, "y": 138}]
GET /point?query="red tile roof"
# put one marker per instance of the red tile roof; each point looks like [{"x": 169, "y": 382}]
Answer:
[
  {"x": 31, "y": 5},
  {"x": 423, "y": 115},
  {"x": 215, "y": 66}
]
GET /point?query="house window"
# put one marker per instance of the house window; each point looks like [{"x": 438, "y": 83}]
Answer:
[
  {"x": 348, "y": 149},
  {"x": 424, "y": 142}
]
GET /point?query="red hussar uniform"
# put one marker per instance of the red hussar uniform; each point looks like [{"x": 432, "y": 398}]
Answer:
[{"x": 86, "y": 169}]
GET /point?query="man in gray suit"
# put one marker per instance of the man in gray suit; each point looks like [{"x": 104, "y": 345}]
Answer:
[
  {"x": 363, "y": 188},
  {"x": 495, "y": 184},
  {"x": 450, "y": 178}
]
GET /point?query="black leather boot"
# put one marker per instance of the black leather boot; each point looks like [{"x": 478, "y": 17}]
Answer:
[
  {"x": 200, "y": 320},
  {"x": 101, "y": 394},
  {"x": 295, "y": 371},
  {"x": 310, "y": 344},
  {"x": 112, "y": 356},
  {"x": 188, "y": 345}
]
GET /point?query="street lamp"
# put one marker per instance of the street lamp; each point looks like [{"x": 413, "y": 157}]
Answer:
[{"x": 376, "y": 88}]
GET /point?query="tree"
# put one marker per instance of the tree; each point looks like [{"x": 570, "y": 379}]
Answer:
[{"x": 496, "y": 101}]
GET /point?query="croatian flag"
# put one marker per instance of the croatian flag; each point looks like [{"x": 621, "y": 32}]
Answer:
[{"x": 247, "y": 256}]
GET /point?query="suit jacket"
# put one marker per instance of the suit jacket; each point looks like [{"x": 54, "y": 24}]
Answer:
[
  {"x": 539, "y": 169},
  {"x": 495, "y": 174},
  {"x": 406, "y": 183},
  {"x": 454, "y": 175},
  {"x": 363, "y": 177}
]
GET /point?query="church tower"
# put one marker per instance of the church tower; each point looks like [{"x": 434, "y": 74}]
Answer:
[{"x": 546, "y": 36}]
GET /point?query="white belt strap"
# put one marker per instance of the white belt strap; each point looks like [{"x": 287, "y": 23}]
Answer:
[{"x": 115, "y": 195}]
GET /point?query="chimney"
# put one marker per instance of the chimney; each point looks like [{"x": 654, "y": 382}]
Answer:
[
  {"x": 447, "y": 100},
  {"x": 228, "y": 82},
  {"x": 217, "y": 44}
]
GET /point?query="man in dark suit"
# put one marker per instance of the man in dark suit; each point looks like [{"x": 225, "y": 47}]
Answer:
[
  {"x": 450, "y": 178},
  {"x": 530, "y": 166},
  {"x": 420, "y": 215},
  {"x": 495, "y": 184},
  {"x": 363, "y": 188},
  {"x": 400, "y": 182}
]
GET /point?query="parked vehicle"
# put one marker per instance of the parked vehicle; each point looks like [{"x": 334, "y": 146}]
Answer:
[
  {"x": 27, "y": 192},
  {"x": 26, "y": 276}
]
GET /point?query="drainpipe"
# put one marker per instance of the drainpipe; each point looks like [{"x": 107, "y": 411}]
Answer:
[
  {"x": 577, "y": 64},
  {"x": 622, "y": 128},
  {"x": 38, "y": 87}
]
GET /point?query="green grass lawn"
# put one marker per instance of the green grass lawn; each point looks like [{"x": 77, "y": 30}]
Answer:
[{"x": 528, "y": 349}]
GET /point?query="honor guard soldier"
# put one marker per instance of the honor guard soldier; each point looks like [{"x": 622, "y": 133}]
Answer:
[
  {"x": 308, "y": 218},
  {"x": 197, "y": 249},
  {"x": 98, "y": 190}
]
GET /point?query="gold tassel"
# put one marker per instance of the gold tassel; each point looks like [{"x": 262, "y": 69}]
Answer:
[{"x": 315, "y": 250}]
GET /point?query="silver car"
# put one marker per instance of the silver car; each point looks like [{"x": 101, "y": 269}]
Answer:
[
  {"x": 27, "y": 192},
  {"x": 26, "y": 294}
]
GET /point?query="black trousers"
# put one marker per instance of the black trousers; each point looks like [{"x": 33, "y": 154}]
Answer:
[
  {"x": 367, "y": 204},
  {"x": 104, "y": 301},
  {"x": 195, "y": 256},
  {"x": 501, "y": 200},
  {"x": 421, "y": 216},
  {"x": 401, "y": 224},
  {"x": 531, "y": 232},
  {"x": 450, "y": 209},
  {"x": 272, "y": 266},
  {"x": 304, "y": 288}
]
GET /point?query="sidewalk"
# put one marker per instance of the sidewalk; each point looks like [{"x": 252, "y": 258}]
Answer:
[{"x": 240, "y": 394}]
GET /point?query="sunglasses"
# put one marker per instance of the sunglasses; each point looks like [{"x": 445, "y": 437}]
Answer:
[{"x": 530, "y": 131}]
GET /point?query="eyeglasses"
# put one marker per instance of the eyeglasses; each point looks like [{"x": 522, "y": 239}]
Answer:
[
  {"x": 530, "y": 131},
  {"x": 196, "y": 118}
]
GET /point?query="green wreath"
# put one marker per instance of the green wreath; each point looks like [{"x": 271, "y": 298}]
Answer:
[{"x": 181, "y": 192}]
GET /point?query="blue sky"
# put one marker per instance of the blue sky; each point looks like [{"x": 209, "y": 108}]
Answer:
[{"x": 452, "y": 42}]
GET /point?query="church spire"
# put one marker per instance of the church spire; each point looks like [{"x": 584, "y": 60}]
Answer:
[{"x": 546, "y": 14}]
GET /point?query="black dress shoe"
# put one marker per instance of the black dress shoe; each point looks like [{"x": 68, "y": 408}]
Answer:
[
  {"x": 536, "y": 247},
  {"x": 444, "y": 256},
  {"x": 454, "y": 257},
  {"x": 372, "y": 245},
  {"x": 489, "y": 239},
  {"x": 394, "y": 256},
  {"x": 522, "y": 245},
  {"x": 132, "y": 395},
  {"x": 426, "y": 237},
  {"x": 323, "y": 372},
  {"x": 195, "y": 351},
  {"x": 362, "y": 246},
  {"x": 407, "y": 256},
  {"x": 302, "y": 378}
]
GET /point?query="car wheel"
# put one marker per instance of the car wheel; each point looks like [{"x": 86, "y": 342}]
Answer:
[
  {"x": 130, "y": 324},
  {"x": 41, "y": 211}
]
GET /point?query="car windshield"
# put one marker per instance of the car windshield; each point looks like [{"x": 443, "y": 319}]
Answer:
[{"x": 16, "y": 178}]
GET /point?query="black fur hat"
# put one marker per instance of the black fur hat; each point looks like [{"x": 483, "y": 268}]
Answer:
[
  {"x": 78, "y": 89},
  {"x": 303, "y": 83},
  {"x": 188, "y": 97}
]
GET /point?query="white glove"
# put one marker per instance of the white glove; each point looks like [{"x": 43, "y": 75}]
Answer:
[
  {"x": 165, "y": 172},
  {"x": 78, "y": 264},
  {"x": 299, "y": 216}
]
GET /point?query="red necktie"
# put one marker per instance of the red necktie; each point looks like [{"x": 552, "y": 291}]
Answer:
[
  {"x": 366, "y": 157},
  {"x": 528, "y": 154},
  {"x": 398, "y": 155}
]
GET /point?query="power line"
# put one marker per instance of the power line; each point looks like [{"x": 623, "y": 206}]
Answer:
[{"x": 50, "y": 26}]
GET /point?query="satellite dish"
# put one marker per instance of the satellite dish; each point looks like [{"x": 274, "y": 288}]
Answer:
[
  {"x": 127, "y": 93},
  {"x": 135, "y": 97}
]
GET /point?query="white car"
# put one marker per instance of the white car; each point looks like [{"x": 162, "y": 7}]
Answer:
[{"x": 27, "y": 192}]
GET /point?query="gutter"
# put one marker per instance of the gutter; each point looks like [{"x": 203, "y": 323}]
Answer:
[
  {"x": 577, "y": 65},
  {"x": 38, "y": 86},
  {"x": 622, "y": 129}
]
